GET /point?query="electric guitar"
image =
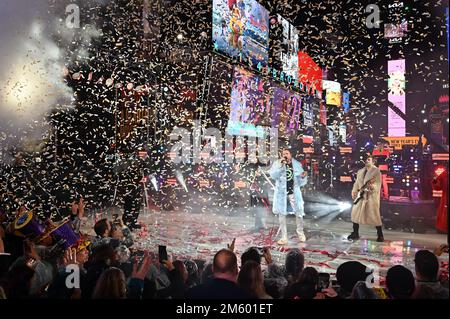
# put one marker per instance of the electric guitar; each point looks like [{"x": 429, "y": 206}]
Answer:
[{"x": 362, "y": 191}]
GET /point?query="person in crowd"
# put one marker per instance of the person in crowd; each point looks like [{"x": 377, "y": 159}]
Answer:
[
  {"x": 251, "y": 254},
  {"x": 223, "y": 284},
  {"x": 362, "y": 291},
  {"x": 17, "y": 284},
  {"x": 400, "y": 282},
  {"x": 295, "y": 262},
  {"x": 192, "y": 269},
  {"x": 116, "y": 232},
  {"x": 251, "y": 280},
  {"x": 427, "y": 271},
  {"x": 306, "y": 287},
  {"x": 75, "y": 256},
  {"x": 101, "y": 259},
  {"x": 207, "y": 273},
  {"x": 348, "y": 274},
  {"x": 43, "y": 269},
  {"x": 77, "y": 214},
  {"x": 112, "y": 283}
]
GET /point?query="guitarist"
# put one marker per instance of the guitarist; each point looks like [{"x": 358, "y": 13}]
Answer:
[{"x": 367, "y": 210}]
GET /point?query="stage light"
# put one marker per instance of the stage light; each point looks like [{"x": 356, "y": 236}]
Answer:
[
  {"x": 416, "y": 188},
  {"x": 423, "y": 111},
  {"x": 425, "y": 120},
  {"x": 344, "y": 206},
  {"x": 415, "y": 181},
  {"x": 407, "y": 184},
  {"x": 447, "y": 120}
]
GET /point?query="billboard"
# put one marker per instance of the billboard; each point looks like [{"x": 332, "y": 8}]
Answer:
[
  {"x": 241, "y": 30},
  {"x": 251, "y": 104},
  {"x": 287, "y": 109},
  {"x": 333, "y": 92},
  {"x": 393, "y": 30},
  {"x": 309, "y": 72},
  {"x": 290, "y": 41},
  {"x": 396, "y": 95}
]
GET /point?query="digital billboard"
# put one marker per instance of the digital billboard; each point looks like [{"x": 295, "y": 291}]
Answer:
[
  {"x": 289, "y": 52},
  {"x": 396, "y": 95},
  {"x": 393, "y": 30},
  {"x": 251, "y": 104},
  {"x": 241, "y": 29},
  {"x": 286, "y": 112},
  {"x": 333, "y": 92},
  {"x": 309, "y": 72}
]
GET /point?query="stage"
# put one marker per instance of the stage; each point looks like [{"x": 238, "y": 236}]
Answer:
[{"x": 199, "y": 234}]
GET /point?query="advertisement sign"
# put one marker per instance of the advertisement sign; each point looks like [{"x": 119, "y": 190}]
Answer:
[
  {"x": 333, "y": 92},
  {"x": 241, "y": 29},
  {"x": 250, "y": 104},
  {"x": 396, "y": 95},
  {"x": 309, "y": 73},
  {"x": 398, "y": 142}
]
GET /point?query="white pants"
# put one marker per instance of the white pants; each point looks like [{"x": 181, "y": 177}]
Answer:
[{"x": 298, "y": 219}]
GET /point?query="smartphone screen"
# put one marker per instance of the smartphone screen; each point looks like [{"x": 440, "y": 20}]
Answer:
[
  {"x": 162, "y": 251},
  {"x": 324, "y": 281}
]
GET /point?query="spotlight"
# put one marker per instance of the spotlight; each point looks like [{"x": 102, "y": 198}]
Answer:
[
  {"x": 425, "y": 120},
  {"x": 344, "y": 206}
]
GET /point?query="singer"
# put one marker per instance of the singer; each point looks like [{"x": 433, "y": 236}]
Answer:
[{"x": 289, "y": 177}]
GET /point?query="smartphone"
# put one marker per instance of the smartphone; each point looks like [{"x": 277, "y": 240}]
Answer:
[
  {"x": 324, "y": 281},
  {"x": 162, "y": 251}
]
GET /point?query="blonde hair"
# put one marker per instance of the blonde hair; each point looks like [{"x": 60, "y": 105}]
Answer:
[{"x": 111, "y": 285}]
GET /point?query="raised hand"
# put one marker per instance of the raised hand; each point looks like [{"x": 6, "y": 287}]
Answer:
[
  {"x": 231, "y": 246},
  {"x": 140, "y": 271},
  {"x": 267, "y": 255},
  {"x": 70, "y": 257}
]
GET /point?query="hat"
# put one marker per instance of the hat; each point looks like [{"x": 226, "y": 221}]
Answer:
[{"x": 81, "y": 244}]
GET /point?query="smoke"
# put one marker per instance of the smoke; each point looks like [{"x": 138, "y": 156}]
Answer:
[{"x": 36, "y": 46}]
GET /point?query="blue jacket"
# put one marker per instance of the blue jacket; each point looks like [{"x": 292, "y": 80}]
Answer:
[{"x": 280, "y": 201}]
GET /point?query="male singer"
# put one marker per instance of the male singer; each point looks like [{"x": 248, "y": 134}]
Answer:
[
  {"x": 367, "y": 210},
  {"x": 289, "y": 177}
]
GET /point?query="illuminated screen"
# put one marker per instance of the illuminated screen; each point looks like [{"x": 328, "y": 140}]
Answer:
[
  {"x": 289, "y": 54},
  {"x": 396, "y": 95},
  {"x": 333, "y": 93},
  {"x": 309, "y": 72},
  {"x": 251, "y": 104},
  {"x": 392, "y": 30},
  {"x": 286, "y": 112},
  {"x": 241, "y": 29}
]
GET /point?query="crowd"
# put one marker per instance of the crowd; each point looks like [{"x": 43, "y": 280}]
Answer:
[{"x": 106, "y": 266}]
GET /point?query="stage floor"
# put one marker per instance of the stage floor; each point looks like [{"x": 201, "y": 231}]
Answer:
[{"x": 199, "y": 235}]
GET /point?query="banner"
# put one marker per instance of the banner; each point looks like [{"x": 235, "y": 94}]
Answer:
[
  {"x": 396, "y": 95},
  {"x": 398, "y": 142}
]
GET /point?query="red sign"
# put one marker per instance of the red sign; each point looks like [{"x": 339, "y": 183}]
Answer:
[{"x": 309, "y": 72}]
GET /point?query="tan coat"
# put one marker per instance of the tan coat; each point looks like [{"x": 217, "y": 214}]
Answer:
[{"x": 367, "y": 211}]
